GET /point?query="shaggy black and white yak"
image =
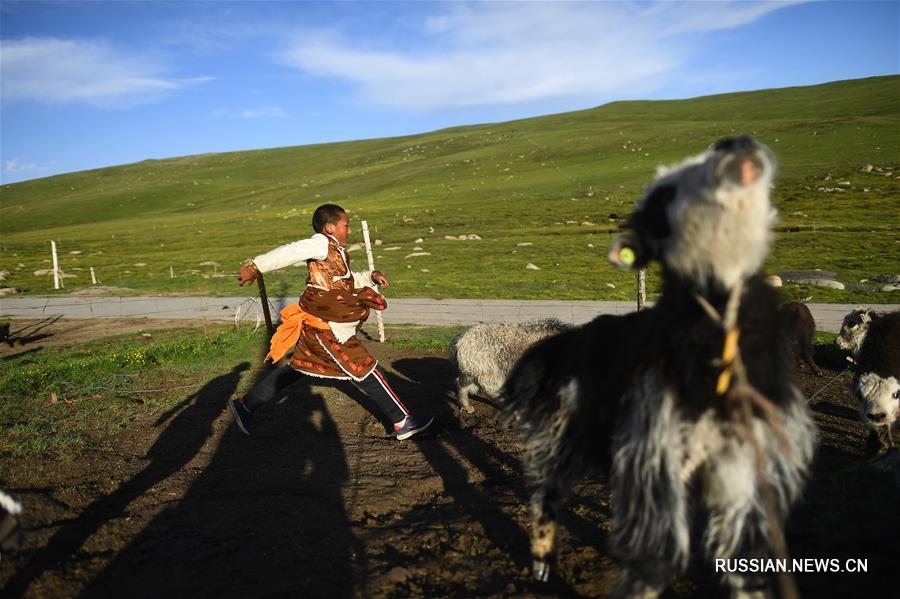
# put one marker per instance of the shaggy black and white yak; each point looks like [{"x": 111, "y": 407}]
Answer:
[
  {"x": 873, "y": 340},
  {"x": 484, "y": 355},
  {"x": 800, "y": 327},
  {"x": 646, "y": 397}
]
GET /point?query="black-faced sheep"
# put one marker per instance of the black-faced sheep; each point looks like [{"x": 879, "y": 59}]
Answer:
[
  {"x": 484, "y": 354},
  {"x": 636, "y": 396},
  {"x": 800, "y": 327},
  {"x": 874, "y": 341}
]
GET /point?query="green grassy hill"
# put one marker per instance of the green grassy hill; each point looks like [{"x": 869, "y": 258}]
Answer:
[{"x": 561, "y": 183}]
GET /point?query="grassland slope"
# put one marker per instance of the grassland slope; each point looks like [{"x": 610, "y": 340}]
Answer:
[{"x": 561, "y": 183}]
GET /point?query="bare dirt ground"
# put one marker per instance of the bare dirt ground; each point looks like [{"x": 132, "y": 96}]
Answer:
[{"x": 320, "y": 503}]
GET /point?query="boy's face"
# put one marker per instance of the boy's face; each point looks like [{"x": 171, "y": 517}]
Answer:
[{"x": 339, "y": 230}]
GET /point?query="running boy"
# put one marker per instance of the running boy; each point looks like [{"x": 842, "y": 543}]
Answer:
[{"x": 331, "y": 309}]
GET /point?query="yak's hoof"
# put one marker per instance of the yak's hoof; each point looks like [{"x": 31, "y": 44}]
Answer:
[{"x": 541, "y": 570}]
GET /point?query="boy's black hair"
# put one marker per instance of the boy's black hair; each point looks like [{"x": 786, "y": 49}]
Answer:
[{"x": 326, "y": 214}]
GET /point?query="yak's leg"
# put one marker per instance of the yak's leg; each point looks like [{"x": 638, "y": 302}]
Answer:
[
  {"x": 806, "y": 350},
  {"x": 737, "y": 526},
  {"x": 650, "y": 508},
  {"x": 545, "y": 503},
  {"x": 553, "y": 461}
]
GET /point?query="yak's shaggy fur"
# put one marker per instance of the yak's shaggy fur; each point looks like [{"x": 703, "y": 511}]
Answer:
[
  {"x": 800, "y": 327},
  {"x": 484, "y": 355},
  {"x": 634, "y": 396}
]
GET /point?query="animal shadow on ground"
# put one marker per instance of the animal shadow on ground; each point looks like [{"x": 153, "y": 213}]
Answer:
[
  {"x": 264, "y": 518},
  {"x": 502, "y": 490},
  {"x": 189, "y": 426}
]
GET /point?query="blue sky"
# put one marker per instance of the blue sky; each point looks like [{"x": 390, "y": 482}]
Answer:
[{"x": 91, "y": 84}]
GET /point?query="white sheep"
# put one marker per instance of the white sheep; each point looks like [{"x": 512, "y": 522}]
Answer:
[{"x": 484, "y": 355}]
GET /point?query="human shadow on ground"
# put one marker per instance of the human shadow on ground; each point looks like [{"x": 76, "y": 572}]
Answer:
[
  {"x": 30, "y": 333},
  {"x": 264, "y": 518},
  {"x": 178, "y": 444}
]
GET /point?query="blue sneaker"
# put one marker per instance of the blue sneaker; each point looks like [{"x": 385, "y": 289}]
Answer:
[
  {"x": 242, "y": 415},
  {"x": 411, "y": 426}
]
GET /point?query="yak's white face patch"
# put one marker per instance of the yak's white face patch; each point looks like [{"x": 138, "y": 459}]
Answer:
[
  {"x": 710, "y": 217},
  {"x": 720, "y": 226},
  {"x": 879, "y": 399},
  {"x": 853, "y": 331}
]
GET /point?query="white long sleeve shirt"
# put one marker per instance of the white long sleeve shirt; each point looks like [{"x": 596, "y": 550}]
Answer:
[{"x": 314, "y": 248}]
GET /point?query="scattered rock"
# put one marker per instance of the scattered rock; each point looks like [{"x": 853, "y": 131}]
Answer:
[
  {"x": 4, "y": 274},
  {"x": 450, "y": 237},
  {"x": 395, "y": 247},
  {"x": 44, "y": 272},
  {"x": 890, "y": 288},
  {"x": 425, "y": 270},
  {"x": 524, "y": 244},
  {"x": 378, "y": 242},
  {"x": 867, "y": 169},
  {"x": 419, "y": 240},
  {"x": 610, "y": 285},
  {"x": 820, "y": 283},
  {"x": 416, "y": 249},
  {"x": 75, "y": 252},
  {"x": 890, "y": 279},
  {"x": 9, "y": 290},
  {"x": 590, "y": 245},
  {"x": 414, "y": 254},
  {"x": 354, "y": 247},
  {"x": 792, "y": 276},
  {"x": 140, "y": 264},
  {"x": 531, "y": 266},
  {"x": 588, "y": 223},
  {"x": 209, "y": 263}
]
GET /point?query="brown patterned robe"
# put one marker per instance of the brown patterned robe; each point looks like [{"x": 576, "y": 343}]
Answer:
[{"x": 330, "y": 294}]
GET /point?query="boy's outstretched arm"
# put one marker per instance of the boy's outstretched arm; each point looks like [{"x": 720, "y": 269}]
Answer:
[{"x": 316, "y": 248}]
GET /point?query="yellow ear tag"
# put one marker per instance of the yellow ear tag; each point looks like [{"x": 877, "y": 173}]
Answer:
[{"x": 626, "y": 256}]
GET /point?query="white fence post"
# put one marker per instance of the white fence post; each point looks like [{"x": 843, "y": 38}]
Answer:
[
  {"x": 379, "y": 318},
  {"x": 641, "y": 289},
  {"x": 55, "y": 265},
  {"x": 93, "y": 277}
]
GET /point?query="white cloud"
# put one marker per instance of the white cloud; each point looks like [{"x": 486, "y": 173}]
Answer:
[
  {"x": 503, "y": 53},
  {"x": 252, "y": 113},
  {"x": 14, "y": 166},
  {"x": 58, "y": 71}
]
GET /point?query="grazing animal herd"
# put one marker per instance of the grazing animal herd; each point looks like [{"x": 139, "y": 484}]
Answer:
[
  {"x": 873, "y": 341},
  {"x": 689, "y": 404}
]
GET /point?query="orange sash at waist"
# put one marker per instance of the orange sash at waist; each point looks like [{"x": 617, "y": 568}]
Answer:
[{"x": 293, "y": 319}]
